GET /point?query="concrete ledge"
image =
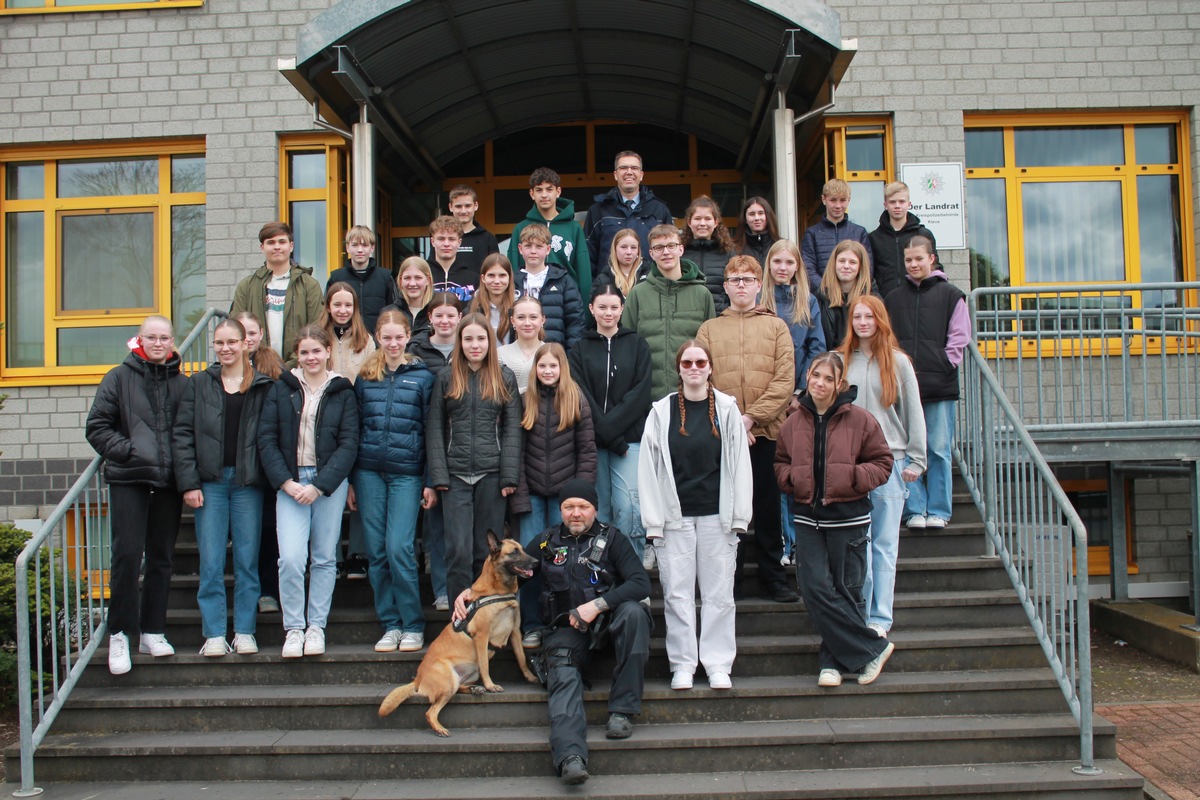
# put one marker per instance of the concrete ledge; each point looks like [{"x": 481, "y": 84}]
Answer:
[{"x": 1155, "y": 629}]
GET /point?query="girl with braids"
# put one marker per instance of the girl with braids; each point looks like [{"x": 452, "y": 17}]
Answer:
[
  {"x": 495, "y": 296},
  {"x": 559, "y": 445},
  {"x": 473, "y": 439},
  {"x": 695, "y": 484},
  {"x": 757, "y": 229},
  {"x": 830, "y": 454},
  {"x": 887, "y": 387},
  {"x": 217, "y": 469},
  {"x": 847, "y": 277},
  {"x": 343, "y": 322},
  {"x": 706, "y": 243}
]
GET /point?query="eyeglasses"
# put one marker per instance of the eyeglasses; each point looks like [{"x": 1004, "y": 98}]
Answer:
[
  {"x": 629, "y": 168},
  {"x": 157, "y": 339},
  {"x": 742, "y": 280},
  {"x": 659, "y": 248},
  {"x": 688, "y": 363}
]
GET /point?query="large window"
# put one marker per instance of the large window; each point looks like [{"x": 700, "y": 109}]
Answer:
[
  {"x": 94, "y": 238},
  {"x": 50, "y": 6},
  {"x": 314, "y": 195},
  {"x": 858, "y": 150}
]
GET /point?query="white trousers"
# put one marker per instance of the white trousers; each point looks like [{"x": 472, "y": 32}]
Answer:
[{"x": 699, "y": 552}]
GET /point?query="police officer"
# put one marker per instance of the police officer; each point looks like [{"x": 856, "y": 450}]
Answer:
[{"x": 594, "y": 590}]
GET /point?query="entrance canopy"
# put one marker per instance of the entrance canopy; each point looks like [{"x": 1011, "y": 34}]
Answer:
[{"x": 439, "y": 77}]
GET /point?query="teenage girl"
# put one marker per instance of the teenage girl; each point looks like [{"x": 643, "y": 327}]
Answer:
[
  {"x": 559, "y": 445},
  {"x": 393, "y": 392},
  {"x": 528, "y": 323},
  {"x": 344, "y": 324},
  {"x": 757, "y": 229},
  {"x": 308, "y": 441},
  {"x": 847, "y": 277},
  {"x": 625, "y": 265},
  {"x": 706, "y": 242},
  {"x": 494, "y": 298},
  {"x": 474, "y": 444},
  {"x": 416, "y": 290}
]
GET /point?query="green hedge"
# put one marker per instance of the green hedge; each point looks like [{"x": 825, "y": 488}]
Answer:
[{"x": 12, "y": 542}]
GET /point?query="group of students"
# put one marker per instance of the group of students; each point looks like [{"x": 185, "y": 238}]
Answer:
[{"x": 405, "y": 398}]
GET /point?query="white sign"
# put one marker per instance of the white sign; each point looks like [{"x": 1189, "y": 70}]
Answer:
[{"x": 936, "y": 191}]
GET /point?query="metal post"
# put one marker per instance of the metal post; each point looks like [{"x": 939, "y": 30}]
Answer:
[
  {"x": 1119, "y": 569},
  {"x": 783, "y": 149},
  {"x": 363, "y": 158},
  {"x": 1195, "y": 546}
]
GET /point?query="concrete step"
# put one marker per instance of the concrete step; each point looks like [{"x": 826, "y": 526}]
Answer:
[
  {"x": 305, "y": 754},
  {"x": 355, "y": 706}
]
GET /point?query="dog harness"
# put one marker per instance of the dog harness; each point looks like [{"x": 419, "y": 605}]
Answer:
[{"x": 475, "y": 605}]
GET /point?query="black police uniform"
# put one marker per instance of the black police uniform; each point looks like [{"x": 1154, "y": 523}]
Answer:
[{"x": 571, "y": 576}]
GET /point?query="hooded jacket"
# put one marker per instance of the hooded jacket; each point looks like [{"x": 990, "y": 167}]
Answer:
[
  {"x": 753, "y": 361},
  {"x": 568, "y": 245},
  {"x": 477, "y": 244},
  {"x": 609, "y": 214},
  {"x": 336, "y": 433},
  {"x": 562, "y": 305},
  {"x": 472, "y": 436},
  {"x": 887, "y": 250},
  {"x": 302, "y": 304},
  {"x": 707, "y": 255},
  {"x": 552, "y": 457},
  {"x": 131, "y": 419},
  {"x": 666, "y": 314},
  {"x": 614, "y": 375},
  {"x": 819, "y": 240},
  {"x": 392, "y": 413},
  {"x": 199, "y": 435},
  {"x": 375, "y": 289}
]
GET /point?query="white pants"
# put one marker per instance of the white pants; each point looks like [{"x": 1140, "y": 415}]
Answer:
[{"x": 699, "y": 551}]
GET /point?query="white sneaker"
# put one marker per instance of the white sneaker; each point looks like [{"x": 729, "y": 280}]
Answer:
[
  {"x": 118, "y": 654},
  {"x": 155, "y": 644},
  {"x": 411, "y": 642},
  {"x": 915, "y": 522},
  {"x": 719, "y": 680},
  {"x": 871, "y": 671},
  {"x": 389, "y": 641},
  {"x": 293, "y": 645},
  {"x": 935, "y": 522},
  {"x": 442, "y": 603},
  {"x": 649, "y": 559},
  {"x": 880, "y": 631},
  {"x": 244, "y": 644},
  {"x": 214, "y": 647},
  {"x": 785, "y": 561},
  {"x": 314, "y": 641},
  {"x": 681, "y": 680},
  {"x": 829, "y": 678}
]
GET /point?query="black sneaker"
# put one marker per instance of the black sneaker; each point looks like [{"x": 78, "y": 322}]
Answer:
[
  {"x": 356, "y": 568},
  {"x": 784, "y": 594},
  {"x": 573, "y": 771},
  {"x": 619, "y": 727}
]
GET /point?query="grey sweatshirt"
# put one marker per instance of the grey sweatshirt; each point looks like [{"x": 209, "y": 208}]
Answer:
[{"x": 904, "y": 423}]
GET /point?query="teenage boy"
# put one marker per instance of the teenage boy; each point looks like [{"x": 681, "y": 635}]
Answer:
[
  {"x": 568, "y": 247},
  {"x": 562, "y": 305},
  {"x": 929, "y": 316},
  {"x": 282, "y": 294},
  {"x": 627, "y": 205},
  {"x": 449, "y": 273},
  {"x": 374, "y": 286},
  {"x": 897, "y": 226},
  {"x": 819, "y": 240},
  {"x": 668, "y": 307},
  {"x": 477, "y": 241},
  {"x": 753, "y": 360}
]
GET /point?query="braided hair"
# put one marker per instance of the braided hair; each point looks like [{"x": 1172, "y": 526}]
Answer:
[{"x": 712, "y": 397}]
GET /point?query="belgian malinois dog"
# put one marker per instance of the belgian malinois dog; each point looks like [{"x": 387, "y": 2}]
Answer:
[{"x": 461, "y": 654}]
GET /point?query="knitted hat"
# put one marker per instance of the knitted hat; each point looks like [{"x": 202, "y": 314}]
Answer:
[{"x": 577, "y": 487}]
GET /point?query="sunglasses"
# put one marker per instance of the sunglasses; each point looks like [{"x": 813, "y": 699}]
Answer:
[{"x": 699, "y": 363}]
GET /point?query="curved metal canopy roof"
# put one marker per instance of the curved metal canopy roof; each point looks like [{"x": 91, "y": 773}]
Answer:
[{"x": 439, "y": 77}]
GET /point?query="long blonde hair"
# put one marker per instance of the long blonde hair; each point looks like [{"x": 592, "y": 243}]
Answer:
[
  {"x": 418, "y": 263},
  {"x": 567, "y": 396},
  {"x": 831, "y": 287},
  {"x": 797, "y": 286},
  {"x": 375, "y": 366},
  {"x": 625, "y": 284},
  {"x": 491, "y": 379}
]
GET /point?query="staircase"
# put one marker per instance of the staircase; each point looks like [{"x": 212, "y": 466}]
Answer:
[{"x": 965, "y": 707}]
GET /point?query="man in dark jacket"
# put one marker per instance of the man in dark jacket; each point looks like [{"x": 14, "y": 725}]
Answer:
[
  {"x": 628, "y": 205},
  {"x": 897, "y": 226},
  {"x": 374, "y": 286},
  {"x": 130, "y": 425}
]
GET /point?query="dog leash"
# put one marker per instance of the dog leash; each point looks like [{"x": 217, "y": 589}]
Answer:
[{"x": 461, "y": 625}]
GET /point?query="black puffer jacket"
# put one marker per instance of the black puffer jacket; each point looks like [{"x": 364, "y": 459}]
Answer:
[
  {"x": 553, "y": 457},
  {"x": 422, "y": 348},
  {"x": 131, "y": 420},
  {"x": 758, "y": 245},
  {"x": 199, "y": 435},
  {"x": 615, "y": 376},
  {"x": 337, "y": 433},
  {"x": 887, "y": 250},
  {"x": 473, "y": 436},
  {"x": 562, "y": 305},
  {"x": 708, "y": 257}
]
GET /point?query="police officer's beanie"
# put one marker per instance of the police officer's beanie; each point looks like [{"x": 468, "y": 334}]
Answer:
[{"x": 578, "y": 487}]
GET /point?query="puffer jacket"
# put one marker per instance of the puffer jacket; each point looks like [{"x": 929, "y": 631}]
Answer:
[
  {"x": 857, "y": 456},
  {"x": 552, "y": 457},
  {"x": 562, "y": 305},
  {"x": 752, "y": 362},
  {"x": 712, "y": 261},
  {"x": 336, "y": 433},
  {"x": 758, "y": 245},
  {"x": 887, "y": 250},
  {"x": 391, "y": 414},
  {"x": 199, "y": 434},
  {"x": 807, "y": 342},
  {"x": 666, "y": 314},
  {"x": 301, "y": 306},
  {"x": 614, "y": 375},
  {"x": 473, "y": 436},
  {"x": 131, "y": 420},
  {"x": 568, "y": 245},
  {"x": 376, "y": 289},
  {"x": 422, "y": 348},
  {"x": 819, "y": 240}
]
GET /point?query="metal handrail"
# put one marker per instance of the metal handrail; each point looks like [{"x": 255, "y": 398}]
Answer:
[{"x": 69, "y": 603}]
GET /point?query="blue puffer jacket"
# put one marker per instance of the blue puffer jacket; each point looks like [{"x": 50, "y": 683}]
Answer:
[
  {"x": 392, "y": 413},
  {"x": 808, "y": 343},
  {"x": 819, "y": 240}
]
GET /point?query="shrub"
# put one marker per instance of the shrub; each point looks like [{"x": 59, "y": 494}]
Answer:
[{"x": 12, "y": 542}]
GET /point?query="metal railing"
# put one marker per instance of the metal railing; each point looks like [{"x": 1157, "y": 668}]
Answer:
[{"x": 62, "y": 588}]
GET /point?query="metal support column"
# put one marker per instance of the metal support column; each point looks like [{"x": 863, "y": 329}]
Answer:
[
  {"x": 783, "y": 149},
  {"x": 363, "y": 160},
  {"x": 1119, "y": 567},
  {"x": 1194, "y": 549}
]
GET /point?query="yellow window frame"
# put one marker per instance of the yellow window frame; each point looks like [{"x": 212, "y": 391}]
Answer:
[
  {"x": 52, "y": 6},
  {"x": 336, "y": 192},
  {"x": 53, "y": 209}
]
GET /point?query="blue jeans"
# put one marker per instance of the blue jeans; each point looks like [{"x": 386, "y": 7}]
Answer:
[
  {"x": 929, "y": 495},
  {"x": 879, "y": 588},
  {"x": 546, "y": 511},
  {"x": 388, "y": 506},
  {"x": 308, "y": 533},
  {"x": 435, "y": 546},
  {"x": 788, "y": 525},
  {"x": 230, "y": 512},
  {"x": 617, "y": 489}
]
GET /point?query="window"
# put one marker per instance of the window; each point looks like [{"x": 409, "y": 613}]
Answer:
[
  {"x": 859, "y": 151},
  {"x": 314, "y": 197},
  {"x": 51, "y": 6},
  {"x": 94, "y": 238}
]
